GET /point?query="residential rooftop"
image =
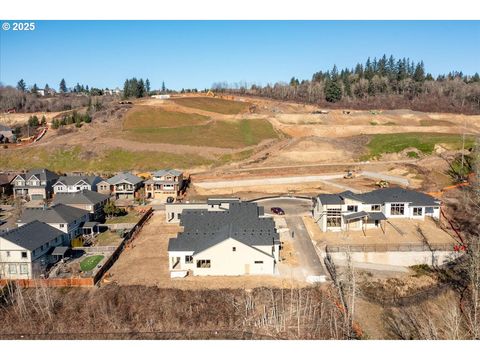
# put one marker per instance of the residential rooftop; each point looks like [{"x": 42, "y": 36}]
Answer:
[
  {"x": 381, "y": 196},
  {"x": 32, "y": 235},
  {"x": 243, "y": 221},
  {"x": 56, "y": 214},
  {"x": 85, "y": 197}
]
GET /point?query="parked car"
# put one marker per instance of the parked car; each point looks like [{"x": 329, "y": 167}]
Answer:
[{"x": 277, "y": 210}]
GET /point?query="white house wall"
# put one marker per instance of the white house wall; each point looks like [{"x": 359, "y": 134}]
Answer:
[{"x": 226, "y": 262}]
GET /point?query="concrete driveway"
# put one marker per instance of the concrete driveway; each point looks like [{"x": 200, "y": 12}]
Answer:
[{"x": 295, "y": 209}]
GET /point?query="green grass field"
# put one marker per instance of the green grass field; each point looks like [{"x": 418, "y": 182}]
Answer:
[
  {"x": 147, "y": 117},
  {"x": 425, "y": 142},
  {"x": 128, "y": 218},
  {"x": 221, "y": 106},
  {"x": 79, "y": 158},
  {"x": 90, "y": 262},
  {"x": 232, "y": 134}
]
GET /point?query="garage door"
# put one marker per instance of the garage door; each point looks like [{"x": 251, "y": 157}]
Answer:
[{"x": 37, "y": 197}]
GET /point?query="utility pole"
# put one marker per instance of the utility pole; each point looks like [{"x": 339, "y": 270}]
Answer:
[{"x": 463, "y": 140}]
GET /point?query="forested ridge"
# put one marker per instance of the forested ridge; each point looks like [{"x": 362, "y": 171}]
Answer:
[{"x": 385, "y": 83}]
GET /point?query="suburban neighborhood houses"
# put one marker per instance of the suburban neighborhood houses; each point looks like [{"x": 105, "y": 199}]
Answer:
[{"x": 219, "y": 236}]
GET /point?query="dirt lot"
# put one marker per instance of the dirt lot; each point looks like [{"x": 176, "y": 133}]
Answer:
[
  {"x": 402, "y": 232},
  {"x": 147, "y": 264}
]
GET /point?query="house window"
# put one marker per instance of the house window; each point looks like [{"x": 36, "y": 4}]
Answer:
[
  {"x": 353, "y": 208},
  {"x": 397, "y": 209},
  {"x": 334, "y": 218},
  {"x": 258, "y": 262},
  {"x": 417, "y": 211},
  {"x": 375, "y": 207},
  {"x": 24, "y": 254},
  {"x": 188, "y": 259},
  {"x": 234, "y": 248},
  {"x": 62, "y": 225},
  {"x": 8, "y": 253},
  {"x": 203, "y": 264},
  {"x": 23, "y": 269},
  {"x": 12, "y": 268},
  {"x": 179, "y": 216}
]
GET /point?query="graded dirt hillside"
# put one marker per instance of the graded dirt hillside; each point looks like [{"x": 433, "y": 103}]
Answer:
[{"x": 199, "y": 133}]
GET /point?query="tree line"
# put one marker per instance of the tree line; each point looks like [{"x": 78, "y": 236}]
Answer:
[{"x": 383, "y": 83}]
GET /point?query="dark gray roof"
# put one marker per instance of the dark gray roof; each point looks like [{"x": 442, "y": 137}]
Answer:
[
  {"x": 59, "y": 251},
  {"x": 204, "y": 229},
  {"x": 32, "y": 235},
  {"x": 122, "y": 177},
  {"x": 85, "y": 197},
  {"x": 57, "y": 214},
  {"x": 72, "y": 180},
  {"x": 330, "y": 199},
  {"x": 166, "y": 172},
  {"x": 218, "y": 201},
  {"x": 41, "y": 174},
  {"x": 377, "y": 216},
  {"x": 381, "y": 196},
  {"x": 357, "y": 215},
  {"x": 396, "y": 194}
]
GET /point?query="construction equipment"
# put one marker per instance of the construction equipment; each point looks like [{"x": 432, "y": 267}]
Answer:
[
  {"x": 350, "y": 174},
  {"x": 382, "y": 184}
]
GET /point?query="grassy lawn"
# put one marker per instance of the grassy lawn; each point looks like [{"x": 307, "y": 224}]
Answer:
[
  {"x": 90, "y": 262},
  {"x": 151, "y": 117},
  {"x": 223, "y": 134},
  {"x": 131, "y": 217},
  {"x": 425, "y": 142},
  {"x": 221, "y": 106},
  {"x": 77, "y": 158},
  {"x": 108, "y": 238}
]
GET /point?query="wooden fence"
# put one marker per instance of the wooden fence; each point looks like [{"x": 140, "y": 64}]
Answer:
[
  {"x": 128, "y": 238},
  {"x": 54, "y": 282},
  {"x": 89, "y": 281}
]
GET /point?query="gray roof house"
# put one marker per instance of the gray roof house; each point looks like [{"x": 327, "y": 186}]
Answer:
[
  {"x": 90, "y": 201},
  {"x": 240, "y": 240},
  {"x": 65, "y": 218},
  {"x": 164, "y": 184},
  {"x": 350, "y": 211},
  {"x": 124, "y": 185},
  {"x": 25, "y": 252},
  {"x": 35, "y": 184},
  {"x": 72, "y": 184}
]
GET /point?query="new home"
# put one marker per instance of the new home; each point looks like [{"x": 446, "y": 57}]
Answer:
[
  {"x": 65, "y": 218},
  {"x": 350, "y": 211},
  {"x": 164, "y": 184},
  {"x": 25, "y": 252},
  {"x": 239, "y": 240},
  {"x": 90, "y": 201},
  {"x": 73, "y": 184},
  {"x": 36, "y": 184},
  {"x": 122, "y": 186}
]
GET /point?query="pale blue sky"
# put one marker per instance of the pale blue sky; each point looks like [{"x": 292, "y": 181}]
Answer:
[{"x": 197, "y": 53}]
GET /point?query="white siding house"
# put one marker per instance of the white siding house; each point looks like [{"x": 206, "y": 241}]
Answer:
[
  {"x": 232, "y": 242},
  {"x": 349, "y": 211},
  {"x": 24, "y": 252}
]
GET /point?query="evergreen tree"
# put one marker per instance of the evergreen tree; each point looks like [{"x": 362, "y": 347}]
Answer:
[
  {"x": 46, "y": 89},
  {"x": 147, "y": 86},
  {"x": 34, "y": 89},
  {"x": 419, "y": 73},
  {"x": 163, "y": 87},
  {"x": 21, "y": 86},
  {"x": 63, "y": 86},
  {"x": 333, "y": 91}
]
